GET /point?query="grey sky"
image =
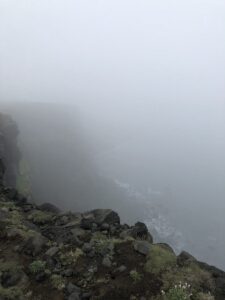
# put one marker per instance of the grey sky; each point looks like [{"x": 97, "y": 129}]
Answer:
[{"x": 169, "y": 52}]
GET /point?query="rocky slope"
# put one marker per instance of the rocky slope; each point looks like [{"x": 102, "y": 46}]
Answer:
[{"x": 48, "y": 254}]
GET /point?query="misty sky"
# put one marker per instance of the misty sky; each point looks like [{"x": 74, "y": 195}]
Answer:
[
  {"x": 149, "y": 68},
  {"x": 160, "y": 53}
]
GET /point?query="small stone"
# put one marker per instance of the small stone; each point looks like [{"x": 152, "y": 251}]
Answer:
[
  {"x": 49, "y": 207},
  {"x": 35, "y": 244},
  {"x": 86, "y": 296},
  {"x": 74, "y": 296},
  {"x": 93, "y": 269},
  {"x": 10, "y": 278},
  {"x": 17, "y": 248},
  {"x": 91, "y": 254},
  {"x": 5, "y": 209},
  {"x": 86, "y": 223},
  {"x": 40, "y": 277},
  {"x": 27, "y": 208},
  {"x": 106, "y": 262},
  {"x": 68, "y": 273},
  {"x": 14, "y": 232},
  {"x": 87, "y": 248},
  {"x": 64, "y": 220},
  {"x": 52, "y": 251},
  {"x": 142, "y": 247},
  {"x": 105, "y": 226},
  {"x": 72, "y": 288},
  {"x": 121, "y": 269}
]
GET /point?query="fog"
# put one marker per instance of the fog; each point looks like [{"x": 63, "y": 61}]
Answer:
[{"x": 133, "y": 103}]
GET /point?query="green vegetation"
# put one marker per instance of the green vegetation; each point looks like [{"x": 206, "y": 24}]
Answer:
[
  {"x": 192, "y": 274},
  {"x": 159, "y": 259},
  {"x": 70, "y": 257},
  {"x": 15, "y": 218},
  {"x": 9, "y": 204},
  {"x": 202, "y": 296},
  {"x": 178, "y": 292},
  {"x": 37, "y": 266},
  {"x": 183, "y": 291},
  {"x": 39, "y": 217},
  {"x": 102, "y": 243},
  {"x": 57, "y": 282},
  {"x": 9, "y": 266},
  {"x": 136, "y": 277},
  {"x": 13, "y": 293}
]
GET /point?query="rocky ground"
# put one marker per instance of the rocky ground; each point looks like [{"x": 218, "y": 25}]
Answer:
[{"x": 46, "y": 254}]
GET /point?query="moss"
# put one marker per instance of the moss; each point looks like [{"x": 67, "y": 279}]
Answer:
[
  {"x": 20, "y": 230},
  {"x": 102, "y": 243},
  {"x": 116, "y": 241},
  {"x": 57, "y": 282},
  {"x": 129, "y": 239},
  {"x": 159, "y": 259},
  {"x": 9, "y": 266},
  {"x": 136, "y": 277},
  {"x": 70, "y": 257},
  {"x": 37, "y": 266},
  {"x": 40, "y": 217},
  {"x": 198, "y": 278},
  {"x": 8, "y": 204},
  {"x": 13, "y": 293},
  {"x": 202, "y": 296},
  {"x": 14, "y": 218},
  {"x": 98, "y": 236}
]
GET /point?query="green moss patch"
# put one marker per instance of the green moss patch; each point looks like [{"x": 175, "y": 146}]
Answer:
[
  {"x": 37, "y": 266},
  {"x": 198, "y": 278},
  {"x": 13, "y": 293},
  {"x": 159, "y": 259},
  {"x": 39, "y": 217}
]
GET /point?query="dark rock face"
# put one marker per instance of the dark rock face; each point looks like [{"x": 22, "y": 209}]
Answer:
[
  {"x": 140, "y": 230},
  {"x": 2, "y": 171},
  {"x": 103, "y": 216},
  {"x": 34, "y": 245},
  {"x": 48, "y": 207},
  {"x": 142, "y": 247},
  {"x": 9, "y": 153},
  {"x": 10, "y": 278},
  {"x": 184, "y": 258}
]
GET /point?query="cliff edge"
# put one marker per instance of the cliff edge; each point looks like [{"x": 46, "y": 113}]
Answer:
[{"x": 48, "y": 254}]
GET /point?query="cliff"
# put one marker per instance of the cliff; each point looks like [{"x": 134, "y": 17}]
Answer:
[
  {"x": 48, "y": 254},
  {"x": 9, "y": 152}
]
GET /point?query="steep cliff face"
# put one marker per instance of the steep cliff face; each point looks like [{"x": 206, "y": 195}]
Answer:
[
  {"x": 2, "y": 171},
  {"x": 59, "y": 159},
  {"x": 9, "y": 152}
]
